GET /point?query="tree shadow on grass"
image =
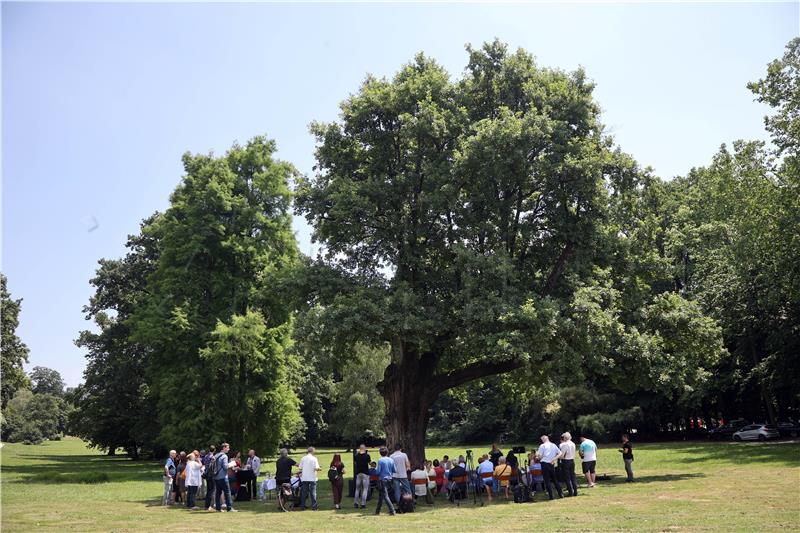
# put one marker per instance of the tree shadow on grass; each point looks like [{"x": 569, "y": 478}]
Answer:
[
  {"x": 324, "y": 497},
  {"x": 326, "y": 505},
  {"x": 776, "y": 453},
  {"x": 660, "y": 478},
  {"x": 83, "y": 469}
]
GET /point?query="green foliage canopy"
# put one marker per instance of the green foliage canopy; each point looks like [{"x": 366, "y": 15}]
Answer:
[
  {"x": 14, "y": 352},
  {"x": 225, "y": 249}
]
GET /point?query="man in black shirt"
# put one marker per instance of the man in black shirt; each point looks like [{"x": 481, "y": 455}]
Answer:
[
  {"x": 458, "y": 482},
  {"x": 361, "y": 461},
  {"x": 627, "y": 456},
  {"x": 495, "y": 454},
  {"x": 283, "y": 467}
]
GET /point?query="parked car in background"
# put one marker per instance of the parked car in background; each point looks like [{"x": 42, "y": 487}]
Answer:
[
  {"x": 789, "y": 429},
  {"x": 726, "y": 432},
  {"x": 757, "y": 432}
]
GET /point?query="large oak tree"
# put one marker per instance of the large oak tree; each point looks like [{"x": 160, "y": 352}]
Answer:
[{"x": 458, "y": 218}]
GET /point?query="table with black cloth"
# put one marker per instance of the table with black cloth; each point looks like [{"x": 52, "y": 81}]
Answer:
[{"x": 247, "y": 485}]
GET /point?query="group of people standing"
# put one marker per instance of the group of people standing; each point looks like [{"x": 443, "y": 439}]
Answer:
[
  {"x": 223, "y": 473},
  {"x": 552, "y": 465},
  {"x": 392, "y": 474}
]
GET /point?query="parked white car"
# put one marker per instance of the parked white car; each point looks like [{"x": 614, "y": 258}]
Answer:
[{"x": 757, "y": 432}]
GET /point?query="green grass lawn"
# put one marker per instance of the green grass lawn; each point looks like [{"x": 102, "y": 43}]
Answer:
[{"x": 697, "y": 486}]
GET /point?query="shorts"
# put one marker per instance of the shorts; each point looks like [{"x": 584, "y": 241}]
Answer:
[{"x": 588, "y": 466}]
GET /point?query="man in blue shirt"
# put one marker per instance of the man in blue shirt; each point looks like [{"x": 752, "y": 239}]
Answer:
[
  {"x": 386, "y": 470},
  {"x": 169, "y": 476},
  {"x": 221, "y": 484},
  {"x": 486, "y": 473}
]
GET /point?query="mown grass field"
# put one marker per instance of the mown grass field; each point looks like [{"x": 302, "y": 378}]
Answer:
[{"x": 693, "y": 486}]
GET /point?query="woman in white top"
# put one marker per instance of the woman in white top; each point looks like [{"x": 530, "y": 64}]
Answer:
[
  {"x": 431, "y": 477},
  {"x": 194, "y": 471},
  {"x": 419, "y": 479}
]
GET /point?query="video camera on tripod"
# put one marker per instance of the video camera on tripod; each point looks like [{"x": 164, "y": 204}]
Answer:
[{"x": 473, "y": 480}]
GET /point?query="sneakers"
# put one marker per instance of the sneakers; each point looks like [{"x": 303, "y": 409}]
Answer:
[
  {"x": 355, "y": 505},
  {"x": 363, "y": 506},
  {"x": 210, "y": 509},
  {"x": 232, "y": 510}
]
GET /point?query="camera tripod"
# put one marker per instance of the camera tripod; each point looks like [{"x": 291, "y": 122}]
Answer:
[{"x": 476, "y": 484}]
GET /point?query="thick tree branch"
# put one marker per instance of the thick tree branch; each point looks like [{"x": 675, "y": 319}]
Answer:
[
  {"x": 558, "y": 269},
  {"x": 454, "y": 378}
]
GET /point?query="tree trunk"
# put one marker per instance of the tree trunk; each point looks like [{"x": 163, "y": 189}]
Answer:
[
  {"x": 407, "y": 426},
  {"x": 409, "y": 389},
  {"x": 408, "y": 395}
]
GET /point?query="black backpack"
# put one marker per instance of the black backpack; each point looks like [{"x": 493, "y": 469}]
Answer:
[
  {"x": 406, "y": 503},
  {"x": 333, "y": 474},
  {"x": 522, "y": 494},
  {"x": 212, "y": 467}
]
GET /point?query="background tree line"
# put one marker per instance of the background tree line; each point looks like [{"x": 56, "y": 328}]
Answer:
[
  {"x": 35, "y": 406},
  {"x": 493, "y": 267}
]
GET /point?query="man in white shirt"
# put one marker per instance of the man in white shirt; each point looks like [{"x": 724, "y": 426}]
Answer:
[
  {"x": 309, "y": 466},
  {"x": 567, "y": 448},
  {"x": 588, "y": 451},
  {"x": 486, "y": 472},
  {"x": 548, "y": 455},
  {"x": 253, "y": 465},
  {"x": 400, "y": 476}
]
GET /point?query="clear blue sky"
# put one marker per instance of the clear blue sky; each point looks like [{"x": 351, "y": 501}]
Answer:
[{"x": 99, "y": 101}]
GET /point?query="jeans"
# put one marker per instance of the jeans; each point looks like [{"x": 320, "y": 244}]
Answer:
[
  {"x": 210, "y": 490},
  {"x": 383, "y": 488},
  {"x": 550, "y": 479},
  {"x": 568, "y": 467},
  {"x": 191, "y": 494},
  {"x": 362, "y": 489},
  {"x": 308, "y": 487},
  {"x": 167, "y": 489},
  {"x": 222, "y": 487},
  {"x": 400, "y": 482},
  {"x": 629, "y": 468}
]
